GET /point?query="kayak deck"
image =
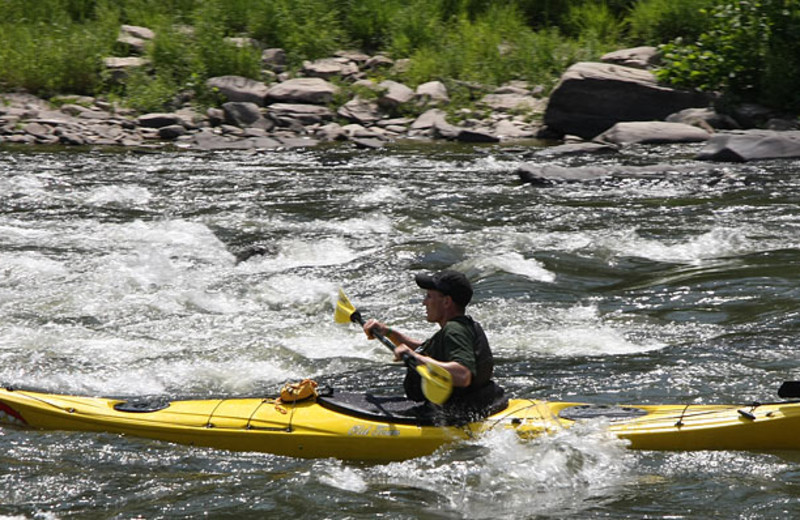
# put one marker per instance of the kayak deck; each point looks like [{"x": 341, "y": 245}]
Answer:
[{"x": 342, "y": 426}]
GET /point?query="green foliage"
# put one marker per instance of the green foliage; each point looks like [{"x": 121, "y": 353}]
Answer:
[
  {"x": 212, "y": 55},
  {"x": 53, "y": 54},
  {"x": 594, "y": 24},
  {"x": 369, "y": 22},
  {"x": 306, "y": 29},
  {"x": 653, "y": 22},
  {"x": 494, "y": 48},
  {"x": 750, "y": 52},
  {"x": 746, "y": 48}
]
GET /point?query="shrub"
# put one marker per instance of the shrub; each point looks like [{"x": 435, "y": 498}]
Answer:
[{"x": 749, "y": 53}]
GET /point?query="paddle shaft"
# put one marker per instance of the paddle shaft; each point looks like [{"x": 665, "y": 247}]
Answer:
[{"x": 408, "y": 359}]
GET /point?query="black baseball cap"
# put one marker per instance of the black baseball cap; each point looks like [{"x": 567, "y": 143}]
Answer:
[{"x": 448, "y": 282}]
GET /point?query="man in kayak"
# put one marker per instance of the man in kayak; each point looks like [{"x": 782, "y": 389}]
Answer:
[{"x": 460, "y": 346}]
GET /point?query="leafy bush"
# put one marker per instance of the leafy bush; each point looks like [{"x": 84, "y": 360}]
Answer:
[{"x": 749, "y": 53}]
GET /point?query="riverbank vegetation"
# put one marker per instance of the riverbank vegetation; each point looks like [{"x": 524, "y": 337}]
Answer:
[{"x": 746, "y": 50}]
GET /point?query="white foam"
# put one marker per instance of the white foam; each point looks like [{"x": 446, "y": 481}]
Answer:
[
  {"x": 501, "y": 475},
  {"x": 513, "y": 263},
  {"x": 118, "y": 195},
  {"x": 296, "y": 252}
]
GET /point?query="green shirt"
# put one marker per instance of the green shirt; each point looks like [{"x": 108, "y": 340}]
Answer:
[{"x": 453, "y": 342}]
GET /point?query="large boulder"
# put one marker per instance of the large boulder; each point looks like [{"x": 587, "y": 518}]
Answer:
[
  {"x": 302, "y": 90},
  {"x": 751, "y": 145},
  {"x": 591, "y": 97},
  {"x": 652, "y": 132},
  {"x": 239, "y": 89}
]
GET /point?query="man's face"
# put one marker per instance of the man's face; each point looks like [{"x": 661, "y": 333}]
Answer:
[{"x": 434, "y": 303}]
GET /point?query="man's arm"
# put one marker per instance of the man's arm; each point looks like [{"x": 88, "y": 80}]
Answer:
[
  {"x": 396, "y": 337},
  {"x": 462, "y": 376}
]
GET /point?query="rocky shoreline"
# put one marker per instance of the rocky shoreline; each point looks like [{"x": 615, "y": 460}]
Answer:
[{"x": 595, "y": 106}]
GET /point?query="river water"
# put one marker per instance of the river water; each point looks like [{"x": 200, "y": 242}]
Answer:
[{"x": 119, "y": 276}]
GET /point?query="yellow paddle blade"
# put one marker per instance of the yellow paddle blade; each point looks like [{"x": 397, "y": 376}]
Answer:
[
  {"x": 437, "y": 383},
  {"x": 344, "y": 309}
]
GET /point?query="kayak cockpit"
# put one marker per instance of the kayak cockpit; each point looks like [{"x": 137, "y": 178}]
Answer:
[{"x": 397, "y": 409}]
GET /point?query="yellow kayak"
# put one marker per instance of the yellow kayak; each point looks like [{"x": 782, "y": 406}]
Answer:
[{"x": 375, "y": 428}]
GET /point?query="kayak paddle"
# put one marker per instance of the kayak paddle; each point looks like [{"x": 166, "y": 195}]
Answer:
[{"x": 437, "y": 383}]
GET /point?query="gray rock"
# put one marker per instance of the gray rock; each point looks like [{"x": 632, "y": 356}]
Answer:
[
  {"x": 71, "y": 139},
  {"x": 242, "y": 114},
  {"x": 395, "y": 94},
  {"x": 119, "y": 68},
  {"x": 37, "y": 130},
  {"x": 508, "y": 129},
  {"x": 216, "y": 116},
  {"x": 704, "y": 118},
  {"x": 73, "y": 109},
  {"x": 171, "y": 132},
  {"x": 378, "y": 61},
  {"x": 131, "y": 43},
  {"x": 303, "y": 90},
  {"x": 306, "y": 114},
  {"x": 466, "y": 135},
  {"x": 360, "y": 110},
  {"x": 137, "y": 32},
  {"x": 331, "y": 132},
  {"x": 212, "y": 141},
  {"x": 751, "y": 145},
  {"x": 368, "y": 143},
  {"x": 513, "y": 102},
  {"x": 243, "y": 43},
  {"x": 298, "y": 142},
  {"x": 638, "y": 57},
  {"x": 264, "y": 143},
  {"x": 652, "y": 132},
  {"x": 591, "y": 97},
  {"x": 239, "y": 89},
  {"x": 19, "y": 139},
  {"x": 97, "y": 115},
  {"x": 356, "y": 56},
  {"x": 274, "y": 59},
  {"x": 429, "y": 119},
  {"x": 545, "y": 174},
  {"x": 433, "y": 92},
  {"x": 327, "y": 68},
  {"x": 578, "y": 149},
  {"x": 357, "y": 131},
  {"x": 158, "y": 120}
]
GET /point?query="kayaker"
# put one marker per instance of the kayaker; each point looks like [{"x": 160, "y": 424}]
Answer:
[{"x": 460, "y": 346}]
